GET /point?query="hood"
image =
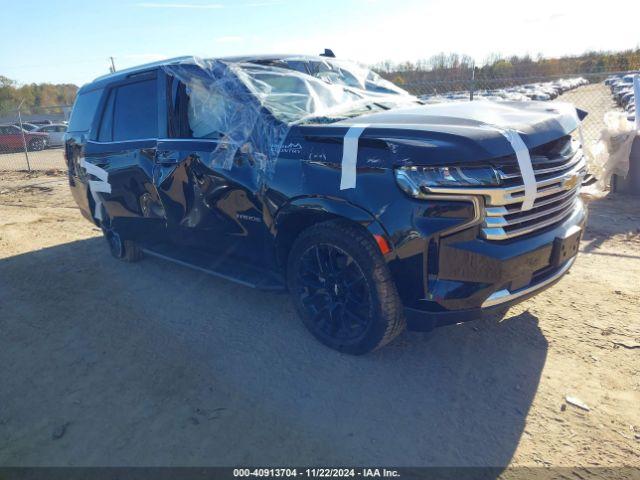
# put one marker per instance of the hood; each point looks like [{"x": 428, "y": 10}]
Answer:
[{"x": 460, "y": 132}]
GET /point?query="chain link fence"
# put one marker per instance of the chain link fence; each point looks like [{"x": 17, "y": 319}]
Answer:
[
  {"x": 587, "y": 91},
  {"x": 32, "y": 138}
]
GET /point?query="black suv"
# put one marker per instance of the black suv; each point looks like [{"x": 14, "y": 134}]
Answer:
[{"x": 316, "y": 176}]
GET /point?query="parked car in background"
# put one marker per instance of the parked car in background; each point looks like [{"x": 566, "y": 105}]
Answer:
[
  {"x": 55, "y": 133},
  {"x": 543, "y": 91},
  {"x": 622, "y": 91},
  {"x": 626, "y": 99},
  {"x": 29, "y": 127},
  {"x": 13, "y": 138}
]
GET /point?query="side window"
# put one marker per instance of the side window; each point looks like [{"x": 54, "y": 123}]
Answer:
[
  {"x": 84, "y": 110},
  {"x": 105, "y": 134},
  {"x": 178, "y": 105},
  {"x": 199, "y": 110},
  {"x": 208, "y": 112},
  {"x": 135, "y": 111}
]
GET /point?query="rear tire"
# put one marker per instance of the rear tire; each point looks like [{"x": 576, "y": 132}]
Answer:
[
  {"x": 125, "y": 250},
  {"x": 342, "y": 288}
]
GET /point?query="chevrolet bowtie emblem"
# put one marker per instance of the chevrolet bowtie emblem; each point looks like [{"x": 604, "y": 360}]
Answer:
[{"x": 570, "y": 182}]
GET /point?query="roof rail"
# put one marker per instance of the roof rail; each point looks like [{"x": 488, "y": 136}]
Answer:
[{"x": 145, "y": 66}]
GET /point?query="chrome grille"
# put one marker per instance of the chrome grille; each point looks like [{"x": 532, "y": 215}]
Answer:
[{"x": 558, "y": 170}]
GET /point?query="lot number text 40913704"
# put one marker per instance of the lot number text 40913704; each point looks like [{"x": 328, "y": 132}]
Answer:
[{"x": 316, "y": 472}]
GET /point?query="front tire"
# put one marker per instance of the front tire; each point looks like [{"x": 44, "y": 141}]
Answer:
[{"x": 342, "y": 288}]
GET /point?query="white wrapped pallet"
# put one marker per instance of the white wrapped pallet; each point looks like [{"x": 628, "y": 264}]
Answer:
[{"x": 610, "y": 155}]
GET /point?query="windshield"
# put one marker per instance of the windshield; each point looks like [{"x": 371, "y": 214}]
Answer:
[
  {"x": 332, "y": 93},
  {"x": 337, "y": 72}
]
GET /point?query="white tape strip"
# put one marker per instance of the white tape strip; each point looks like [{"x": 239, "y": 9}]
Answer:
[
  {"x": 350, "y": 160},
  {"x": 91, "y": 169},
  {"x": 526, "y": 169},
  {"x": 99, "y": 186},
  {"x": 636, "y": 95},
  {"x": 96, "y": 186},
  {"x": 350, "y": 156},
  {"x": 581, "y": 136}
]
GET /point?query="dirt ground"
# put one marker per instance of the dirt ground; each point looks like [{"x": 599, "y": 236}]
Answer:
[
  {"x": 107, "y": 363},
  {"x": 50, "y": 158}
]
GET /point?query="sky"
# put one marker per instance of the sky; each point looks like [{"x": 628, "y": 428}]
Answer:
[{"x": 70, "y": 41}]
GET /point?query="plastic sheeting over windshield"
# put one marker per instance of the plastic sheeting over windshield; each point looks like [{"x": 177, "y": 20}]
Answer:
[
  {"x": 293, "y": 97},
  {"x": 249, "y": 107},
  {"x": 337, "y": 72}
]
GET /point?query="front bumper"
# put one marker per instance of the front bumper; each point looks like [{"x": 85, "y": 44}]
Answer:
[{"x": 477, "y": 278}]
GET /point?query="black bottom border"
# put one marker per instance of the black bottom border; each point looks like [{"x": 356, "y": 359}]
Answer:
[{"x": 426, "y": 473}]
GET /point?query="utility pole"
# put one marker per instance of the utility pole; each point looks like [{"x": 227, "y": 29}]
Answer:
[
  {"x": 24, "y": 140},
  {"x": 113, "y": 65},
  {"x": 473, "y": 81}
]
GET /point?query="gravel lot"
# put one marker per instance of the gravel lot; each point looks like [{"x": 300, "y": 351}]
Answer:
[
  {"x": 596, "y": 100},
  {"x": 107, "y": 363}
]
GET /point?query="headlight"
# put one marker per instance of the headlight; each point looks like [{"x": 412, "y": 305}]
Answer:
[{"x": 417, "y": 180}]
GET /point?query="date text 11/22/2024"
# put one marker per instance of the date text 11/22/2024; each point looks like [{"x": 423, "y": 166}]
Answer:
[{"x": 317, "y": 472}]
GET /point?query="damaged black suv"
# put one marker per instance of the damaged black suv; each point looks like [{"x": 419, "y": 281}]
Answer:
[{"x": 316, "y": 176}]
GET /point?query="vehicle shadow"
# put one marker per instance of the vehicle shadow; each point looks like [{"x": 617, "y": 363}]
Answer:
[
  {"x": 154, "y": 364},
  {"x": 610, "y": 215}
]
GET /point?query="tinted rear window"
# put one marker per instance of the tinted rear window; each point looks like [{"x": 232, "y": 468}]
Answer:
[
  {"x": 136, "y": 111},
  {"x": 83, "y": 111}
]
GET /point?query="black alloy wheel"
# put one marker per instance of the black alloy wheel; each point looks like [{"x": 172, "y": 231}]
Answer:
[
  {"x": 334, "y": 291},
  {"x": 342, "y": 288}
]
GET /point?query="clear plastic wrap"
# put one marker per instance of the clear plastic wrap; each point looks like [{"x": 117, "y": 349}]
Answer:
[
  {"x": 220, "y": 109},
  {"x": 338, "y": 72},
  {"x": 249, "y": 106}
]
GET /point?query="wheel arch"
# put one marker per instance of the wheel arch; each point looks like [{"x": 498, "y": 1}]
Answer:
[{"x": 303, "y": 212}]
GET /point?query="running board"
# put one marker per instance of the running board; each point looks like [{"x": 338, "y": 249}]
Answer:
[{"x": 219, "y": 266}]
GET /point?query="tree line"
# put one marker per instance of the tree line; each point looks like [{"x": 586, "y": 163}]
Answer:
[
  {"x": 455, "y": 67},
  {"x": 496, "y": 71},
  {"x": 34, "y": 96}
]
